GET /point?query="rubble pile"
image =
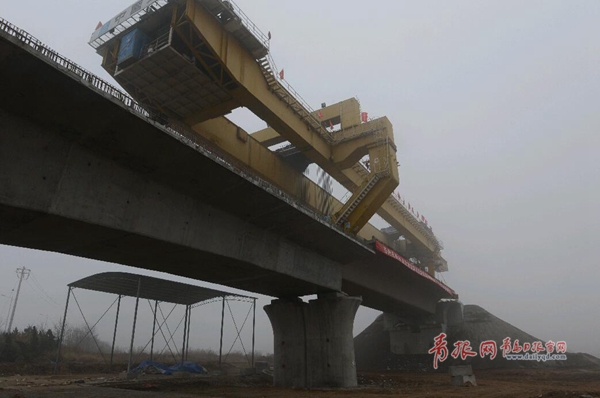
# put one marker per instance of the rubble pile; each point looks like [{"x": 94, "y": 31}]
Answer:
[{"x": 373, "y": 352}]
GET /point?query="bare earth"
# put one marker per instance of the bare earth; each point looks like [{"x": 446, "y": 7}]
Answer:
[{"x": 492, "y": 383}]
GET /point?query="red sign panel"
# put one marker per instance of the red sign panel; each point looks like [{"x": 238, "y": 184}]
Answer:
[{"x": 380, "y": 247}]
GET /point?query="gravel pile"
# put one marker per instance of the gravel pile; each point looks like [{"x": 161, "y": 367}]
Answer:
[{"x": 373, "y": 353}]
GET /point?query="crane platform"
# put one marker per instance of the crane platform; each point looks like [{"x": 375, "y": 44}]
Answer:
[{"x": 194, "y": 61}]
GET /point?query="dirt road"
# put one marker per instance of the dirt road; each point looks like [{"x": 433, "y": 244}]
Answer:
[{"x": 492, "y": 383}]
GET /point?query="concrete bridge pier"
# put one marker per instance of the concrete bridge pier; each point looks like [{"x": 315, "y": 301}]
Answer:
[
  {"x": 416, "y": 336},
  {"x": 314, "y": 345}
]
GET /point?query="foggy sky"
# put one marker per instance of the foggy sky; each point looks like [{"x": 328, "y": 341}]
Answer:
[{"x": 495, "y": 110}]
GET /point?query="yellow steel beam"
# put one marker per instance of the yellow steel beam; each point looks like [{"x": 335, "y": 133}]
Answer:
[
  {"x": 246, "y": 149},
  {"x": 268, "y": 137},
  {"x": 355, "y": 177},
  {"x": 352, "y": 144},
  {"x": 346, "y": 113},
  {"x": 355, "y": 143},
  {"x": 210, "y": 113},
  {"x": 284, "y": 113},
  {"x": 256, "y": 94},
  {"x": 404, "y": 223},
  {"x": 236, "y": 71}
]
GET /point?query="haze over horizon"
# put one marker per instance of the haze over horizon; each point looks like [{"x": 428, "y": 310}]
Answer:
[{"x": 495, "y": 110}]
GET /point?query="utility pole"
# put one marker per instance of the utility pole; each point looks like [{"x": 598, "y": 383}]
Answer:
[{"x": 22, "y": 273}]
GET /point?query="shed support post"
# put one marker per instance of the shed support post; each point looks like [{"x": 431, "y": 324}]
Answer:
[
  {"x": 137, "y": 303},
  {"x": 253, "y": 330},
  {"x": 62, "y": 331},
  {"x": 185, "y": 325},
  {"x": 112, "y": 350},
  {"x": 187, "y": 348},
  {"x": 221, "y": 343},
  {"x": 153, "y": 331}
]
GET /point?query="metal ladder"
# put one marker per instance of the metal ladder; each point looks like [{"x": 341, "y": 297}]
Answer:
[
  {"x": 379, "y": 170},
  {"x": 351, "y": 206},
  {"x": 406, "y": 214}
]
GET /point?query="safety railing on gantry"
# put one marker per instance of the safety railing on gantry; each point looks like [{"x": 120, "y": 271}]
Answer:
[
  {"x": 126, "y": 19},
  {"x": 280, "y": 86},
  {"x": 284, "y": 90},
  {"x": 248, "y": 24}
]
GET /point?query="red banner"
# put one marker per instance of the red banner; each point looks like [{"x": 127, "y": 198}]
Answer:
[{"x": 380, "y": 247}]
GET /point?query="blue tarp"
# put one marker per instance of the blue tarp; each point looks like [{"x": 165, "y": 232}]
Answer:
[
  {"x": 157, "y": 367},
  {"x": 189, "y": 367}
]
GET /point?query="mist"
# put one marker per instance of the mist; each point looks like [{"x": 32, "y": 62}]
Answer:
[{"x": 495, "y": 112}]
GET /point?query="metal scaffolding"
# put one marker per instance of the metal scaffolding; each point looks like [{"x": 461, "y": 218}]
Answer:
[{"x": 157, "y": 291}]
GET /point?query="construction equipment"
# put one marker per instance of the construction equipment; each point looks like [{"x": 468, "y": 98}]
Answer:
[{"x": 194, "y": 61}]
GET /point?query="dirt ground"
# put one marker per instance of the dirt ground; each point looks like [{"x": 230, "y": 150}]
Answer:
[{"x": 492, "y": 383}]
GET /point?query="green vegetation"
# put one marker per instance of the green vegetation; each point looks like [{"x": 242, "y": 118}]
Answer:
[{"x": 28, "y": 345}]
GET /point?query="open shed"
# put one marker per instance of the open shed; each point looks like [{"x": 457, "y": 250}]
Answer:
[{"x": 158, "y": 291}]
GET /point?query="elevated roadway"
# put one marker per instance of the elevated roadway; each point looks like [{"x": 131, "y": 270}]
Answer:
[
  {"x": 85, "y": 171},
  {"x": 66, "y": 168}
]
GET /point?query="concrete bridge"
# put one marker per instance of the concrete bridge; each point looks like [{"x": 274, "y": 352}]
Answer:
[{"x": 85, "y": 171}]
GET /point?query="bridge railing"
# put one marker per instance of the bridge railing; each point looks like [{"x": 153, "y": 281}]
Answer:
[
  {"x": 175, "y": 127},
  {"x": 65, "y": 63}
]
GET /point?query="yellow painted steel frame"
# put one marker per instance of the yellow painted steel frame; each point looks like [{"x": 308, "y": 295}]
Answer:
[
  {"x": 345, "y": 113},
  {"x": 427, "y": 248},
  {"x": 256, "y": 95},
  {"x": 234, "y": 69},
  {"x": 245, "y": 148},
  {"x": 252, "y": 152}
]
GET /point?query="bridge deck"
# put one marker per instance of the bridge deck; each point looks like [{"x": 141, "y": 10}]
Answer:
[{"x": 50, "y": 106}]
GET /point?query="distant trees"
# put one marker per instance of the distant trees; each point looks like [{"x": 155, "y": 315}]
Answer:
[
  {"x": 33, "y": 343},
  {"x": 28, "y": 345},
  {"x": 80, "y": 339}
]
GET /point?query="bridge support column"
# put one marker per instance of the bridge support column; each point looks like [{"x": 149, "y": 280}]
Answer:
[
  {"x": 413, "y": 339},
  {"x": 314, "y": 345},
  {"x": 416, "y": 336}
]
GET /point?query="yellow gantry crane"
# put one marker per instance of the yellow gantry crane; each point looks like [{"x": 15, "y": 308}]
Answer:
[{"x": 197, "y": 60}]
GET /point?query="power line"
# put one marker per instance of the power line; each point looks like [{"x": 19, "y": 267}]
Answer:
[
  {"x": 41, "y": 288},
  {"x": 37, "y": 286},
  {"x": 35, "y": 291},
  {"x": 6, "y": 305}
]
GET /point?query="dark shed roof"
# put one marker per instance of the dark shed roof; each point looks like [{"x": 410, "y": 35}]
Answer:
[{"x": 126, "y": 284}]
